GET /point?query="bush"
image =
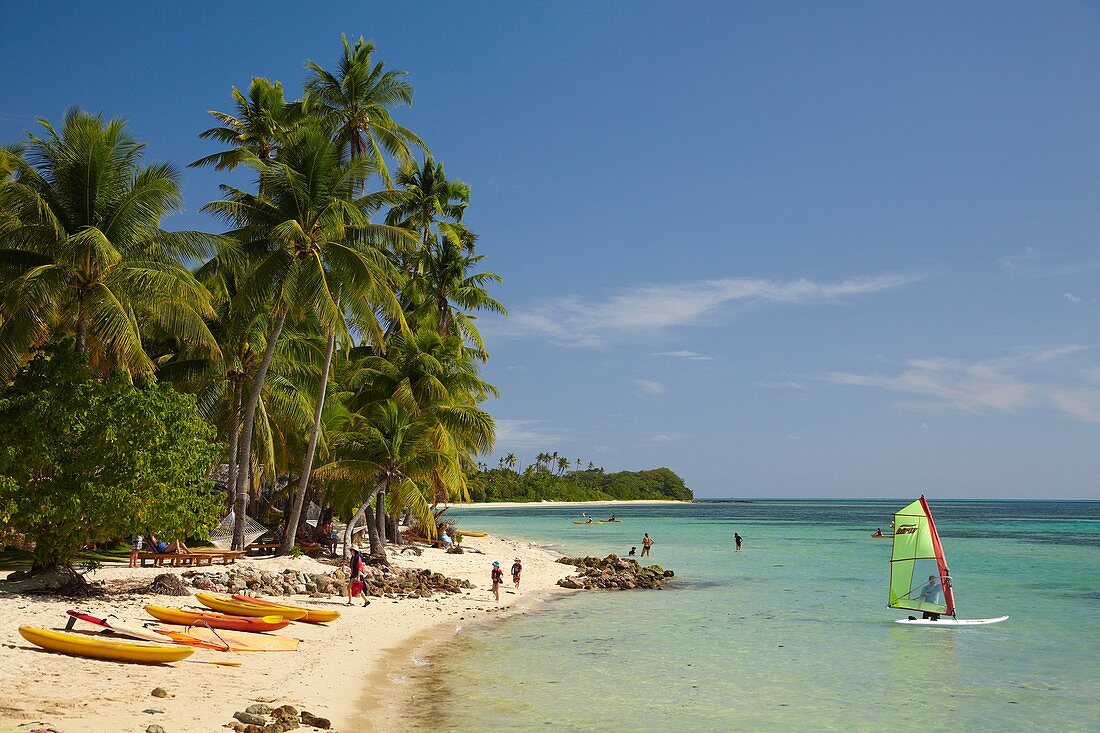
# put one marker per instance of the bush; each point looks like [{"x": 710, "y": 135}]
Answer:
[{"x": 84, "y": 459}]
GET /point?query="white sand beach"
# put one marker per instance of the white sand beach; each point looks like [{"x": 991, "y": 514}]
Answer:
[
  {"x": 549, "y": 504},
  {"x": 338, "y": 671}
]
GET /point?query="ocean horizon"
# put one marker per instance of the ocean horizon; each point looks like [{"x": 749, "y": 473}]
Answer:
[{"x": 791, "y": 633}]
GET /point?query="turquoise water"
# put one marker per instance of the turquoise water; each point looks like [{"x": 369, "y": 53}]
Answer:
[{"x": 792, "y": 633}]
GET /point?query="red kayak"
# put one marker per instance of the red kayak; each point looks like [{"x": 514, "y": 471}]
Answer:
[{"x": 274, "y": 622}]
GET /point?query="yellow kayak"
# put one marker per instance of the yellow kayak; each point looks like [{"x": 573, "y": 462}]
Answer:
[
  {"x": 594, "y": 521},
  {"x": 239, "y": 608},
  {"x": 464, "y": 533},
  {"x": 99, "y": 648},
  {"x": 312, "y": 615}
]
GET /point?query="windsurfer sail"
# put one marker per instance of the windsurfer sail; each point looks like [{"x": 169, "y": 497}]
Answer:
[{"x": 919, "y": 579}]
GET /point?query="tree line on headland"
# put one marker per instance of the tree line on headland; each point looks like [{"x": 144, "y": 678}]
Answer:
[
  {"x": 327, "y": 333},
  {"x": 549, "y": 478}
]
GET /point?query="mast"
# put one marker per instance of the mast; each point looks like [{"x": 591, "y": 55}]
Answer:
[{"x": 941, "y": 559}]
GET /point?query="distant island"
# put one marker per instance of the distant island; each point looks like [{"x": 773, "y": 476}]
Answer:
[{"x": 549, "y": 479}]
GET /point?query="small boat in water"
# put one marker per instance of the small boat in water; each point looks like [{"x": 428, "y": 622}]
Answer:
[{"x": 919, "y": 578}]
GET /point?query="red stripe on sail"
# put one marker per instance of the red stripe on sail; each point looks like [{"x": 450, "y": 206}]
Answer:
[{"x": 941, "y": 561}]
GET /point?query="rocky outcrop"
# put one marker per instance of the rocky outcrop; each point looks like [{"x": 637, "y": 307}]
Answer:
[
  {"x": 381, "y": 581},
  {"x": 167, "y": 584},
  {"x": 613, "y": 573},
  {"x": 263, "y": 719}
]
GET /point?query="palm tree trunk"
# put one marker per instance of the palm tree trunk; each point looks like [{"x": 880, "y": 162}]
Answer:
[
  {"x": 234, "y": 439},
  {"x": 375, "y": 528},
  {"x": 247, "y": 428},
  {"x": 371, "y": 520},
  {"x": 380, "y": 518},
  {"x": 349, "y": 531},
  {"x": 311, "y": 451},
  {"x": 81, "y": 333}
]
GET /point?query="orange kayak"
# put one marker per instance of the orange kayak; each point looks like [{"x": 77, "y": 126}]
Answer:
[
  {"x": 313, "y": 615},
  {"x": 228, "y": 641},
  {"x": 274, "y": 622}
]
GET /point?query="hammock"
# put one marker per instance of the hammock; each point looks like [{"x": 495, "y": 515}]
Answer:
[
  {"x": 222, "y": 536},
  {"x": 313, "y": 515}
]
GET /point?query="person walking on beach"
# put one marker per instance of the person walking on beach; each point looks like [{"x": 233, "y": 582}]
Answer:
[
  {"x": 647, "y": 544},
  {"x": 358, "y": 571},
  {"x": 498, "y": 578},
  {"x": 737, "y": 541},
  {"x": 517, "y": 570}
]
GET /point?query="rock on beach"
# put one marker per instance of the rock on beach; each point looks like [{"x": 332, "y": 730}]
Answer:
[{"x": 613, "y": 573}]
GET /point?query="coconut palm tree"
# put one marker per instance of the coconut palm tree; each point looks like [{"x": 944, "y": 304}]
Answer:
[
  {"x": 431, "y": 205},
  {"x": 437, "y": 377},
  {"x": 448, "y": 293},
  {"x": 261, "y": 121},
  {"x": 309, "y": 233},
  {"x": 510, "y": 461},
  {"x": 356, "y": 101},
  {"x": 440, "y": 289},
  {"x": 84, "y": 252},
  {"x": 390, "y": 449}
]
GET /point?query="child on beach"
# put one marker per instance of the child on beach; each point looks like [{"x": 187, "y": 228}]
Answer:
[
  {"x": 517, "y": 569},
  {"x": 647, "y": 544},
  {"x": 135, "y": 548},
  {"x": 498, "y": 578},
  {"x": 633, "y": 552}
]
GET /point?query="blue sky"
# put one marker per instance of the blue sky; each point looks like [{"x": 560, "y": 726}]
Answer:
[{"x": 786, "y": 249}]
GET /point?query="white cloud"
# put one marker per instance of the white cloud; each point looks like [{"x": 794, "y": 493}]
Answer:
[
  {"x": 781, "y": 385},
  {"x": 1035, "y": 263},
  {"x": 664, "y": 438},
  {"x": 1072, "y": 298},
  {"x": 695, "y": 356},
  {"x": 1031, "y": 378},
  {"x": 519, "y": 434},
  {"x": 649, "y": 386},
  {"x": 574, "y": 321}
]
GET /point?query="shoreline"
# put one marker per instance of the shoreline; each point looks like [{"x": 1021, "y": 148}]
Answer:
[
  {"x": 399, "y": 681},
  {"x": 551, "y": 504},
  {"x": 341, "y": 670}
]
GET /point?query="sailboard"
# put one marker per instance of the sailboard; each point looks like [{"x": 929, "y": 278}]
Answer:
[{"x": 919, "y": 577}]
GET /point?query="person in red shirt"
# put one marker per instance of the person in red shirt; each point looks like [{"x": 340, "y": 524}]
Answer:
[{"x": 498, "y": 578}]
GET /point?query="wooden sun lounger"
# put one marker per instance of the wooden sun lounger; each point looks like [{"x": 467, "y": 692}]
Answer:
[
  {"x": 262, "y": 548},
  {"x": 224, "y": 556}
]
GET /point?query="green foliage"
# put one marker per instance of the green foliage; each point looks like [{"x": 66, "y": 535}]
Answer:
[
  {"x": 82, "y": 251},
  {"x": 502, "y": 484},
  {"x": 85, "y": 459}
]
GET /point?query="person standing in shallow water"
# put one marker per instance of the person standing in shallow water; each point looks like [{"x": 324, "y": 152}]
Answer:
[
  {"x": 498, "y": 578},
  {"x": 647, "y": 544},
  {"x": 737, "y": 541}
]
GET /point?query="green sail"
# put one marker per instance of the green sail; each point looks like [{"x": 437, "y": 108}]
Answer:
[{"x": 918, "y": 571}]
